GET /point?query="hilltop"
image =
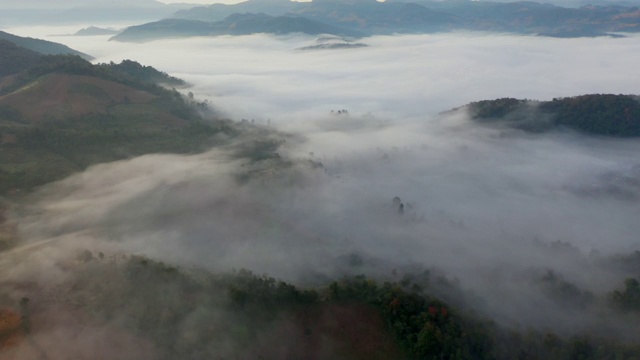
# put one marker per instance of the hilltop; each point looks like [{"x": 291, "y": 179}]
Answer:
[
  {"x": 64, "y": 114},
  {"x": 42, "y": 46},
  {"x": 597, "y": 114},
  {"x": 94, "y": 30}
]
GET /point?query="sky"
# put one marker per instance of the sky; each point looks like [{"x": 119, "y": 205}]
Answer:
[
  {"x": 228, "y": 2},
  {"x": 7, "y": 3}
]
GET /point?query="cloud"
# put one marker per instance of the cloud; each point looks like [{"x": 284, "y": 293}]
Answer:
[
  {"x": 396, "y": 77},
  {"x": 487, "y": 207}
]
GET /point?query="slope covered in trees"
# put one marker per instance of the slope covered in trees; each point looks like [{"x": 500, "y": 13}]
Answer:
[
  {"x": 598, "y": 114},
  {"x": 15, "y": 59},
  {"x": 64, "y": 114},
  {"x": 193, "y": 314}
]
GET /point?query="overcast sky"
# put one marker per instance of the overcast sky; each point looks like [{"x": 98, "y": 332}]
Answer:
[{"x": 64, "y": 3}]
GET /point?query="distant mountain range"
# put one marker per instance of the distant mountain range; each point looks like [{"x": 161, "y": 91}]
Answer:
[
  {"x": 236, "y": 24},
  {"x": 370, "y": 17},
  {"x": 94, "y": 30}
]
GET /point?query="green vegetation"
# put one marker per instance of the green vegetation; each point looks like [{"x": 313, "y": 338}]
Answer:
[
  {"x": 629, "y": 298},
  {"x": 47, "y": 152},
  {"x": 15, "y": 59},
  {"x": 598, "y": 114},
  {"x": 128, "y": 72},
  {"x": 185, "y": 311},
  {"x": 104, "y": 112},
  {"x": 140, "y": 72},
  {"x": 603, "y": 114}
]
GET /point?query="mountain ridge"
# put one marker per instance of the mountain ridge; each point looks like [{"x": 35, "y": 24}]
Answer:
[
  {"x": 375, "y": 18},
  {"x": 63, "y": 114},
  {"x": 595, "y": 114},
  {"x": 42, "y": 46},
  {"x": 235, "y": 24}
]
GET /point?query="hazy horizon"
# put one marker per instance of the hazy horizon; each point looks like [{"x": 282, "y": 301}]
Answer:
[{"x": 88, "y": 3}]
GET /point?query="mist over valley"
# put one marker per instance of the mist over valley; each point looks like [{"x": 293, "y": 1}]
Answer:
[{"x": 343, "y": 175}]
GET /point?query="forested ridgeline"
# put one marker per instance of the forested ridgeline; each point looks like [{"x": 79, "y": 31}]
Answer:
[
  {"x": 598, "y": 114},
  {"x": 192, "y": 314},
  {"x": 60, "y": 114}
]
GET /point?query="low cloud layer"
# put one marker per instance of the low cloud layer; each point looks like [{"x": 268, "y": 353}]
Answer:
[
  {"x": 404, "y": 77},
  {"x": 492, "y": 209}
]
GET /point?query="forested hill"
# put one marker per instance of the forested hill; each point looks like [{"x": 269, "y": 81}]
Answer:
[
  {"x": 42, "y": 46},
  {"x": 63, "y": 114},
  {"x": 598, "y": 114},
  {"x": 15, "y": 59},
  {"x": 236, "y": 24},
  {"x": 179, "y": 313}
]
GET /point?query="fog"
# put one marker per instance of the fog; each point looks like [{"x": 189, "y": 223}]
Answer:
[{"x": 491, "y": 209}]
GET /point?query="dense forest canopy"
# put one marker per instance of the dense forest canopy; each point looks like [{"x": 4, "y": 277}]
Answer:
[
  {"x": 598, "y": 114},
  {"x": 353, "y": 318}
]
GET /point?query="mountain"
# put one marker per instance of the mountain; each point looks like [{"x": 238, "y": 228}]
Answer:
[
  {"x": 218, "y": 12},
  {"x": 363, "y": 16},
  {"x": 94, "y": 30},
  {"x": 424, "y": 16},
  {"x": 63, "y": 114},
  {"x": 237, "y": 24},
  {"x": 373, "y": 17},
  {"x": 15, "y": 59},
  {"x": 598, "y": 114},
  {"x": 169, "y": 312},
  {"x": 534, "y": 18},
  {"x": 41, "y": 46}
]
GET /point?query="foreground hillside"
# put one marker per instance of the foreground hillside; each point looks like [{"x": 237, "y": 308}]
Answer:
[
  {"x": 131, "y": 306},
  {"x": 64, "y": 114}
]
